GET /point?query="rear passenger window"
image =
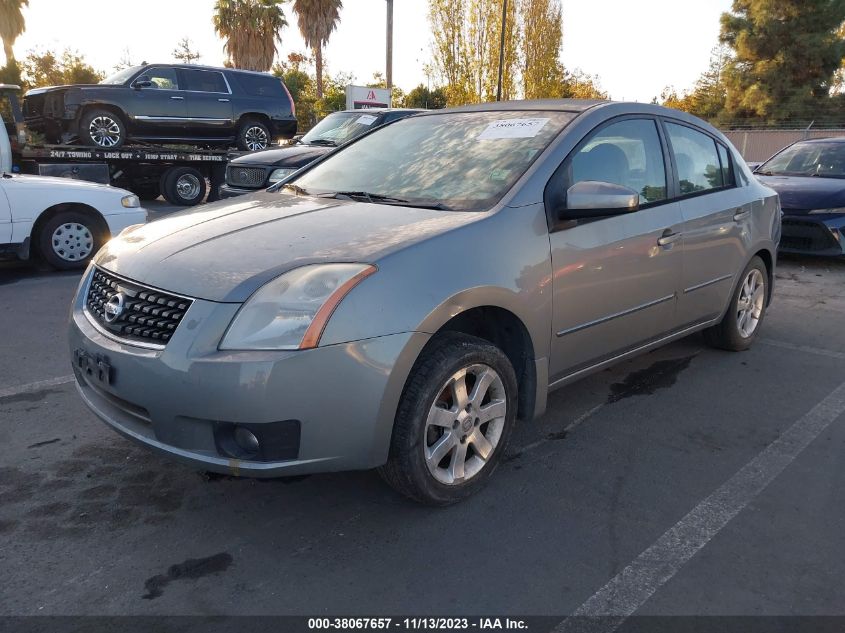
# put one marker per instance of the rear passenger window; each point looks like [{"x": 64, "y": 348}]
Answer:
[
  {"x": 696, "y": 159},
  {"x": 627, "y": 153},
  {"x": 204, "y": 81},
  {"x": 260, "y": 85}
]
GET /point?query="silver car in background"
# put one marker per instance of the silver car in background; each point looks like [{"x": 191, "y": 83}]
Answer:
[{"x": 400, "y": 303}]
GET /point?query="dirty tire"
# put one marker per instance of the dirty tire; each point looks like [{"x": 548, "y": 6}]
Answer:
[
  {"x": 84, "y": 240},
  {"x": 728, "y": 334},
  {"x": 407, "y": 469}
]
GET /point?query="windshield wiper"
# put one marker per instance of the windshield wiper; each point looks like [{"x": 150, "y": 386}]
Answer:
[
  {"x": 323, "y": 141},
  {"x": 378, "y": 198}
]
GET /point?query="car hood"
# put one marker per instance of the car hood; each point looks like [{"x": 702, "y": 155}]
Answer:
[
  {"x": 802, "y": 193},
  {"x": 33, "y": 183},
  {"x": 43, "y": 89},
  {"x": 292, "y": 156},
  {"x": 227, "y": 250}
]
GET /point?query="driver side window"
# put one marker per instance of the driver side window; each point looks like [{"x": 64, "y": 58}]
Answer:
[
  {"x": 627, "y": 153},
  {"x": 161, "y": 78}
]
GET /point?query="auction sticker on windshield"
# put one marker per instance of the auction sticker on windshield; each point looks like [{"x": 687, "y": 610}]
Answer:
[
  {"x": 513, "y": 128},
  {"x": 367, "y": 119}
]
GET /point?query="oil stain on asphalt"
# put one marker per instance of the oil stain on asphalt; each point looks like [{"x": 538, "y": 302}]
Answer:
[
  {"x": 659, "y": 375},
  {"x": 191, "y": 569}
]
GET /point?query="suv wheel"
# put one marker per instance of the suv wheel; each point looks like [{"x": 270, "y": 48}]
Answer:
[
  {"x": 453, "y": 422},
  {"x": 737, "y": 331},
  {"x": 253, "y": 136},
  {"x": 102, "y": 128},
  {"x": 69, "y": 240},
  {"x": 184, "y": 186}
]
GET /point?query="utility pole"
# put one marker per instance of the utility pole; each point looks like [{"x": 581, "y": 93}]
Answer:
[
  {"x": 389, "y": 73},
  {"x": 501, "y": 49}
]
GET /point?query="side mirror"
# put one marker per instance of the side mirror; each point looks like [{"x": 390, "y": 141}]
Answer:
[
  {"x": 596, "y": 199},
  {"x": 143, "y": 83}
]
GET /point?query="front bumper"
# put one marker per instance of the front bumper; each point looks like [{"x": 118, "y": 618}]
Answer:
[
  {"x": 228, "y": 191},
  {"x": 175, "y": 400},
  {"x": 813, "y": 235}
]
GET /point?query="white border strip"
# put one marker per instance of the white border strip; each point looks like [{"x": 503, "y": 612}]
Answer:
[
  {"x": 634, "y": 585},
  {"x": 34, "y": 386}
]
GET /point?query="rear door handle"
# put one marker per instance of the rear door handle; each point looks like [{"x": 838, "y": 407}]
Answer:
[
  {"x": 178, "y": 98},
  {"x": 741, "y": 214},
  {"x": 223, "y": 100},
  {"x": 668, "y": 238}
]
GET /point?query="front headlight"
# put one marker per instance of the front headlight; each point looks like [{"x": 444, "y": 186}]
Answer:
[
  {"x": 130, "y": 202},
  {"x": 280, "y": 174},
  {"x": 823, "y": 211},
  {"x": 292, "y": 311}
]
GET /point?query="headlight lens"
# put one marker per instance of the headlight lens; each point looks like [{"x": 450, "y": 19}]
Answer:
[
  {"x": 291, "y": 311},
  {"x": 823, "y": 211},
  {"x": 280, "y": 174},
  {"x": 130, "y": 202}
]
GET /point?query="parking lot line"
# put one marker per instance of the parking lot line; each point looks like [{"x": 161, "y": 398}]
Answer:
[
  {"x": 804, "y": 348},
  {"x": 633, "y": 586},
  {"x": 34, "y": 386}
]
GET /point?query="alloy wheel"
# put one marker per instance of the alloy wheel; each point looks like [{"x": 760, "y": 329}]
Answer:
[
  {"x": 104, "y": 131},
  {"x": 72, "y": 241},
  {"x": 749, "y": 306},
  {"x": 465, "y": 424},
  {"x": 255, "y": 138}
]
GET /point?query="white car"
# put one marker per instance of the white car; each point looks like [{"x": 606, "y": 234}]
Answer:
[{"x": 64, "y": 221}]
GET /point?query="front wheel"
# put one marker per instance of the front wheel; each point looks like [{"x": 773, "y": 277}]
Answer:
[
  {"x": 253, "y": 136},
  {"x": 69, "y": 240},
  {"x": 102, "y": 128},
  {"x": 453, "y": 422},
  {"x": 184, "y": 186},
  {"x": 738, "y": 330}
]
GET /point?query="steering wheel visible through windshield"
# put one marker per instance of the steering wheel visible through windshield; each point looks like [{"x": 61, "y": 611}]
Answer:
[
  {"x": 456, "y": 160},
  {"x": 807, "y": 159}
]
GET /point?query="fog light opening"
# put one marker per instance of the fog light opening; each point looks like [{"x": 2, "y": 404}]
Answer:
[{"x": 246, "y": 440}]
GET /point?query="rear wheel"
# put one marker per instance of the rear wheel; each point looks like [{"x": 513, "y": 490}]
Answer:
[
  {"x": 69, "y": 240},
  {"x": 740, "y": 326},
  {"x": 102, "y": 128},
  {"x": 184, "y": 186},
  {"x": 253, "y": 136},
  {"x": 453, "y": 422}
]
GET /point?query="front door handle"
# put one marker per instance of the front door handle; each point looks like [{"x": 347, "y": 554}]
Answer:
[
  {"x": 741, "y": 214},
  {"x": 178, "y": 98},
  {"x": 223, "y": 100},
  {"x": 668, "y": 238}
]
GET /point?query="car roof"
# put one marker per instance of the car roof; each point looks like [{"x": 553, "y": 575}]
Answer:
[
  {"x": 561, "y": 105},
  {"x": 829, "y": 139},
  {"x": 202, "y": 67},
  {"x": 379, "y": 110}
]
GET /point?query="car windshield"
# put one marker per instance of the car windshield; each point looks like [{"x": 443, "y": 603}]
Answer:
[
  {"x": 807, "y": 159},
  {"x": 459, "y": 160},
  {"x": 121, "y": 76},
  {"x": 339, "y": 127}
]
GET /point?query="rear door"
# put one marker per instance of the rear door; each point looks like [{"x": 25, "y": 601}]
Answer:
[
  {"x": 158, "y": 109},
  {"x": 208, "y": 100},
  {"x": 5, "y": 215},
  {"x": 715, "y": 219},
  {"x": 615, "y": 279}
]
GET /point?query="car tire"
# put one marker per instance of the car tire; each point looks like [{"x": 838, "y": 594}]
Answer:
[
  {"x": 102, "y": 128},
  {"x": 253, "y": 136},
  {"x": 423, "y": 430},
  {"x": 741, "y": 324},
  {"x": 69, "y": 240},
  {"x": 147, "y": 191},
  {"x": 184, "y": 186}
]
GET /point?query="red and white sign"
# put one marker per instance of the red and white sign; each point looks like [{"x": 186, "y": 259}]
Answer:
[{"x": 362, "y": 97}]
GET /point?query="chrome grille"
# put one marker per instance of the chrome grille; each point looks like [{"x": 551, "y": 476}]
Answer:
[
  {"x": 245, "y": 176},
  {"x": 146, "y": 315}
]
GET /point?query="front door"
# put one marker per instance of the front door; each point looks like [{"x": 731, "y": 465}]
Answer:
[
  {"x": 208, "y": 103},
  {"x": 158, "y": 108},
  {"x": 5, "y": 215},
  {"x": 616, "y": 278},
  {"x": 715, "y": 220}
]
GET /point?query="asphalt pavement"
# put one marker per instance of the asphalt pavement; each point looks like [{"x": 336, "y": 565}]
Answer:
[{"x": 687, "y": 481}]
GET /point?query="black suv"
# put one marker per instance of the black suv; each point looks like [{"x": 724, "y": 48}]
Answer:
[
  {"x": 252, "y": 172},
  {"x": 166, "y": 103}
]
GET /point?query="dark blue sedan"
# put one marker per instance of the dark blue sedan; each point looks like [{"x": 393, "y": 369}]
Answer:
[{"x": 809, "y": 176}]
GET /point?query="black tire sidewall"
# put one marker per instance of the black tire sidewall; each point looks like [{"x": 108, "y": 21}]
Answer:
[
  {"x": 425, "y": 383},
  {"x": 729, "y": 336},
  {"x": 241, "y": 140},
  {"x": 45, "y": 246},
  {"x": 89, "y": 116}
]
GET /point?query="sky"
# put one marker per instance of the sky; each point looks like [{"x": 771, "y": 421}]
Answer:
[{"x": 636, "y": 48}]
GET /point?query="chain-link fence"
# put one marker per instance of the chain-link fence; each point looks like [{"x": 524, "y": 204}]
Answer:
[{"x": 759, "y": 144}]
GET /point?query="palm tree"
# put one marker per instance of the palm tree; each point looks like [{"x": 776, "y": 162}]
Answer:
[
  {"x": 12, "y": 24},
  {"x": 317, "y": 19},
  {"x": 251, "y": 29}
]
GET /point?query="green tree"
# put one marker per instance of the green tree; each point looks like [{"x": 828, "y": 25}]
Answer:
[
  {"x": 184, "y": 53},
  {"x": 785, "y": 55},
  {"x": 542, "y": 71},
  {"x": 447, "y": 19},
  {"x": 294, "y": 72},
  {"x": 317, "y": 20},
  {"x": 12, "y": 24},
  {"x": 577, "y": 84},
  {"x": 422, "y": 97},
  {"x": 251, "y": 29},
  {"x": 45, "y": 68}
]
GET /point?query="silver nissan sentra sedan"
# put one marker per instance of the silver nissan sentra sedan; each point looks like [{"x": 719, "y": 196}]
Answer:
[{"x": 400, "y": 303}]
